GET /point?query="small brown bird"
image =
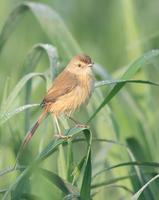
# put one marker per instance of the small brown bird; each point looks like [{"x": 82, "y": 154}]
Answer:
[{"x": 71, "y": 89}]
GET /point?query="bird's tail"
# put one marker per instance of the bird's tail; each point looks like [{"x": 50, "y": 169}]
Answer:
[{"x": 30, "y": 134}]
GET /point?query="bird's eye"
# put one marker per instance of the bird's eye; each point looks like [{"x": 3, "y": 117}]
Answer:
[{"x": 79, "y": 65}]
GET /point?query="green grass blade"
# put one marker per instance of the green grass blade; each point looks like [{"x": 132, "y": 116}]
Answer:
[
  {"x": 34, "y": 56},
  {"x": 78, "y": 169},
  {"x": 11, "y": 114},
  {"x": 131, "y": 71},
  {"x": 19, "y": 181},
  {"x": 137, "y": 194},
  {"x": 112, "y": 181},
  {"x": 18, "y": 88},
  {"x": 49, "y": 20},
  {"x": 70, "y": 161},
  {"x": 103, "y": 83},
  {"x": 10, "y": 169},
  {"x": 139, "y": 180},
  {"x": 115, "y": 186},
  {"x": 49, "y": 150},
  {"x": 64, "y": 186},
  {"x": 10, "y": 24},
  {"x": 61, "y": 163},
  {"x": 86, "y": 183},
  {"x": 5, "y": 93},
  {"x": 55, "y": 143},
  {"x": 85, "y": 192},
  {"x": 144, "y": 164},
  {"x": 30, "y": 64}
]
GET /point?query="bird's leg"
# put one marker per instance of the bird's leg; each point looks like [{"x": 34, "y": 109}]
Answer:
[
  {"x": 60, "y": 135},
  {"x": 58, "y": 127},
  {"x": 78, "y": 124}
]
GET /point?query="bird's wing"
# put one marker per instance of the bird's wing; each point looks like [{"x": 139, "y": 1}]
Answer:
[{"x": 62, "y": 85}]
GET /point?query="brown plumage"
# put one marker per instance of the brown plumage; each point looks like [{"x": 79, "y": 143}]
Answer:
[
  {"x": 69, "y": 91},
  {"x": 71, "y": 88}
]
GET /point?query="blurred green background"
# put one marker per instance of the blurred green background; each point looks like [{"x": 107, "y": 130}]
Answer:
[{"x": 114, "y": 33}]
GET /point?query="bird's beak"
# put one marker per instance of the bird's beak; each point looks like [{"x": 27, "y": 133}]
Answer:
[{"x": 90, "y": 65}]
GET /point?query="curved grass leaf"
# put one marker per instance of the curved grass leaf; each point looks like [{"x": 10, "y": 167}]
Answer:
[
  {"x": 30, "y": 64},
  {"x": 52, "y": 146},
  {"x": 117, "y": 179},
  {"x": 103, "y": 83},
  {"x": 137, "y": 194},
  {"x": 49, "y": 20},
  {"x": 21, "y": 178},
  {"x": 34, "y": 56},
  {"x": 85, "y": 192},
  {"x": 86, "y": 182},
  {"x": 10, "y": 169},
  {"x": 140, "y": 179},
  {"x": 144, "y": 164},
  {"x": 5, "y": 117},
  {"x": 66, "y": 187},
  {"x": 120, "y": 186},
  {"x": 131, "y": 71},
  {"x": 17, "y": 89},
  {"x": 105, "y": 183},
  {"x": 49, "y": 150},
  {"x": 10, "y": 24}
]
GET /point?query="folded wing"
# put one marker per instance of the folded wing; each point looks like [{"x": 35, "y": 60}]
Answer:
[{"x": 62, "y": 85}]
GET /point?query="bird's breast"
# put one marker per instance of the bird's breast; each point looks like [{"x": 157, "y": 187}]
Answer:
[{"x": 79, "y": 95}]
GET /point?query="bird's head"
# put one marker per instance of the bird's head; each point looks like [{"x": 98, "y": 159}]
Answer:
[{"x": 80, "y": 64}]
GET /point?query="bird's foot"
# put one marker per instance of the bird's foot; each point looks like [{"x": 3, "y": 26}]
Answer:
[
  {"x": 65, "y": 137},
  {"x": 82, "y": 125}
]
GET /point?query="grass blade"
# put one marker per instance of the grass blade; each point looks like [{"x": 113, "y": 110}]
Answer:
[
  {"x": 86, "y": 183},
  {"x": 137, "y": 194},
  {"x": 138, "y": 154},
  {"x": 10, "y": 24},
  {"x": 103, "y": 83},
  {"x": 131, "y": 71},
  {"x": 34, "y": 56},
  {"x": 52, "y": 146},
  {"x": 70, "y": 161},
  {"x": 64, "y": 186},
  {"x": 10, "y": 114},
  {"x": 144, "y": 164},
  {"x": 85, "y": 192},
  {"x": 49, "y": 20},
  {"x": 77, "y": 171},
  {"x": 49, "y": 150},
  {"x": 30, "y": 64},
  {"x": 18, "y": 88}
]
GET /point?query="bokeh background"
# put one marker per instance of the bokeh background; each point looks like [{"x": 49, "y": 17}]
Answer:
[
  {"x": 121, "y": 30},
  {"x": 114, "y": 33}
]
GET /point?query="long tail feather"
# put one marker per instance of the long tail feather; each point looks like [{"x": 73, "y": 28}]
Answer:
[{"x": 30, "y": 134}]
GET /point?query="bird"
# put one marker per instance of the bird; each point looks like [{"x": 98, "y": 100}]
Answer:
[{"x": 70, "y": 89}]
